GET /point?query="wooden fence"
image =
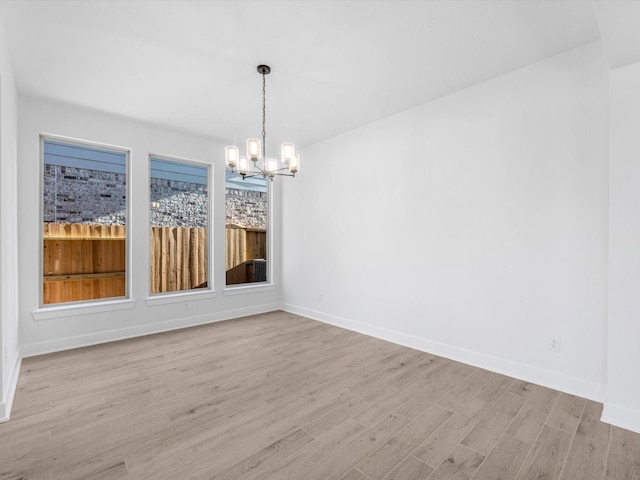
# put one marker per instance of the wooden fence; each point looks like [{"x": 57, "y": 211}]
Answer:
[
  {"x": 245, "y": 244},
  {"x": 87, "y": 262},
  {"x": 83, "y": 262},
  {"x": 178, "y": 258}
]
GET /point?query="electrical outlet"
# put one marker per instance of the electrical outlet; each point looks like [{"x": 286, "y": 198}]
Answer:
[
  {"x": 186, "y": 307},
  {"x": 555, "y": 343},
  {"x": 321, "y": 297}
]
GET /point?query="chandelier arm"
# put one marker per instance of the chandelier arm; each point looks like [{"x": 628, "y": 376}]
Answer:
[
  {"x": 259, "y": 171},
  {"x": 251, "y": 175}
]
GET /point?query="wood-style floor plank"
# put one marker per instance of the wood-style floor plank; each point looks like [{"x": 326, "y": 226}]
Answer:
[
  {"x": 588, "y": 454},
  {"x": 384, "y": 459},
  {"x": 529, "y": 421},
  {"x": 281, "y": 397},
  {"x": 354, "y": 474},
  {"x": 504, "y": 461},
  {"x": 547, "y": 455},
  {"x": 444, "y": 440},
  {"x": 461, "y": 464},
  {"x": 313, "y": 453},
  {"x": 411, "y": 468},
  {"x": 566, "y": 413},
  {"x": 357, "y": 449},
  {"x": 623, "y": 462},
  {"x": 489, "y": 430}
]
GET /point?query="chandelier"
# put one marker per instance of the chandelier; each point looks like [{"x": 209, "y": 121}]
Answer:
[{"x": 256, "y": 150}]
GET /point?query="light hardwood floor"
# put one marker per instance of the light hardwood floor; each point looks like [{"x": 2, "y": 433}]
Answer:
[{"x": 278, "y": 396}]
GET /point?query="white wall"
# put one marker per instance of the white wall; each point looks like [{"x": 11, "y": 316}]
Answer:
[
  {"x": 9, "y": 361},
  {"x": 623, "y": 389},
  {"x": 43, "y": 335},
  {"x": 474, "y": 226}
]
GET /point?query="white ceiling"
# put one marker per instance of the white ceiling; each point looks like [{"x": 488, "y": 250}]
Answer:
[
  {"x": 336, "y": 65},
  {"x": 619, "y": 22}
]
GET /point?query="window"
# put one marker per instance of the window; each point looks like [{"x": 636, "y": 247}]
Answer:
[
  {"x": 179, "y": 218},
  {"x": 246, "y": 229},
  {"x": 84, "y": 208}
]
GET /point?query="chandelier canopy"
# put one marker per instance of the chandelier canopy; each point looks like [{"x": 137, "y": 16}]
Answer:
[{"x": 256, "y": 150}]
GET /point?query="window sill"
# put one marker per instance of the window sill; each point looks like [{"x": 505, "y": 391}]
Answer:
[
  {"x": 244, "y": 289},
  {"x": 177, "y": 297},
  {"x": 61, "y": 311}
]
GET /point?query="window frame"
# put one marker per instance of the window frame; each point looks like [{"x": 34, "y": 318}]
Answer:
[
  {"x": 52, "y": 310},
  {"x": 163, "y": 298},
  {"x": 269, "y": 284}
]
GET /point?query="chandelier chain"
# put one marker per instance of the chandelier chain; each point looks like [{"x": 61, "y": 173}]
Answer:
[{"x": 264, "y": 117}]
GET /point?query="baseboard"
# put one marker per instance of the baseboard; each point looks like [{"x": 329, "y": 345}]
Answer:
[
  {"x": 5, "y": 407},
  {"x": 68, "y": 343},
  {"x": 621, "y": 416},
  {"x": 557, "y": 381}
]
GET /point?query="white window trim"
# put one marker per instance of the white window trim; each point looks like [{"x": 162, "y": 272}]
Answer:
[
  {"x": 95, "y": 305},
  {"x": 61, "y": 310},
  {"x": 246, "y": 288},
  {"x": 180, "y": 296},
  {"x": 253, "y": 287},
  {"x": 164, "y": 298}
]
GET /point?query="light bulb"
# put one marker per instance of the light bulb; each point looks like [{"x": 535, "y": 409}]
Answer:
[
  {"x": 287, "y": 150},
  {"x": 271, "y": 166},
  {"x": 254, "y": 152},
  {"x": 231, "y": 153},
  {"x": 243, "y": 165},
  {"x": 294, "y": 164}
]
